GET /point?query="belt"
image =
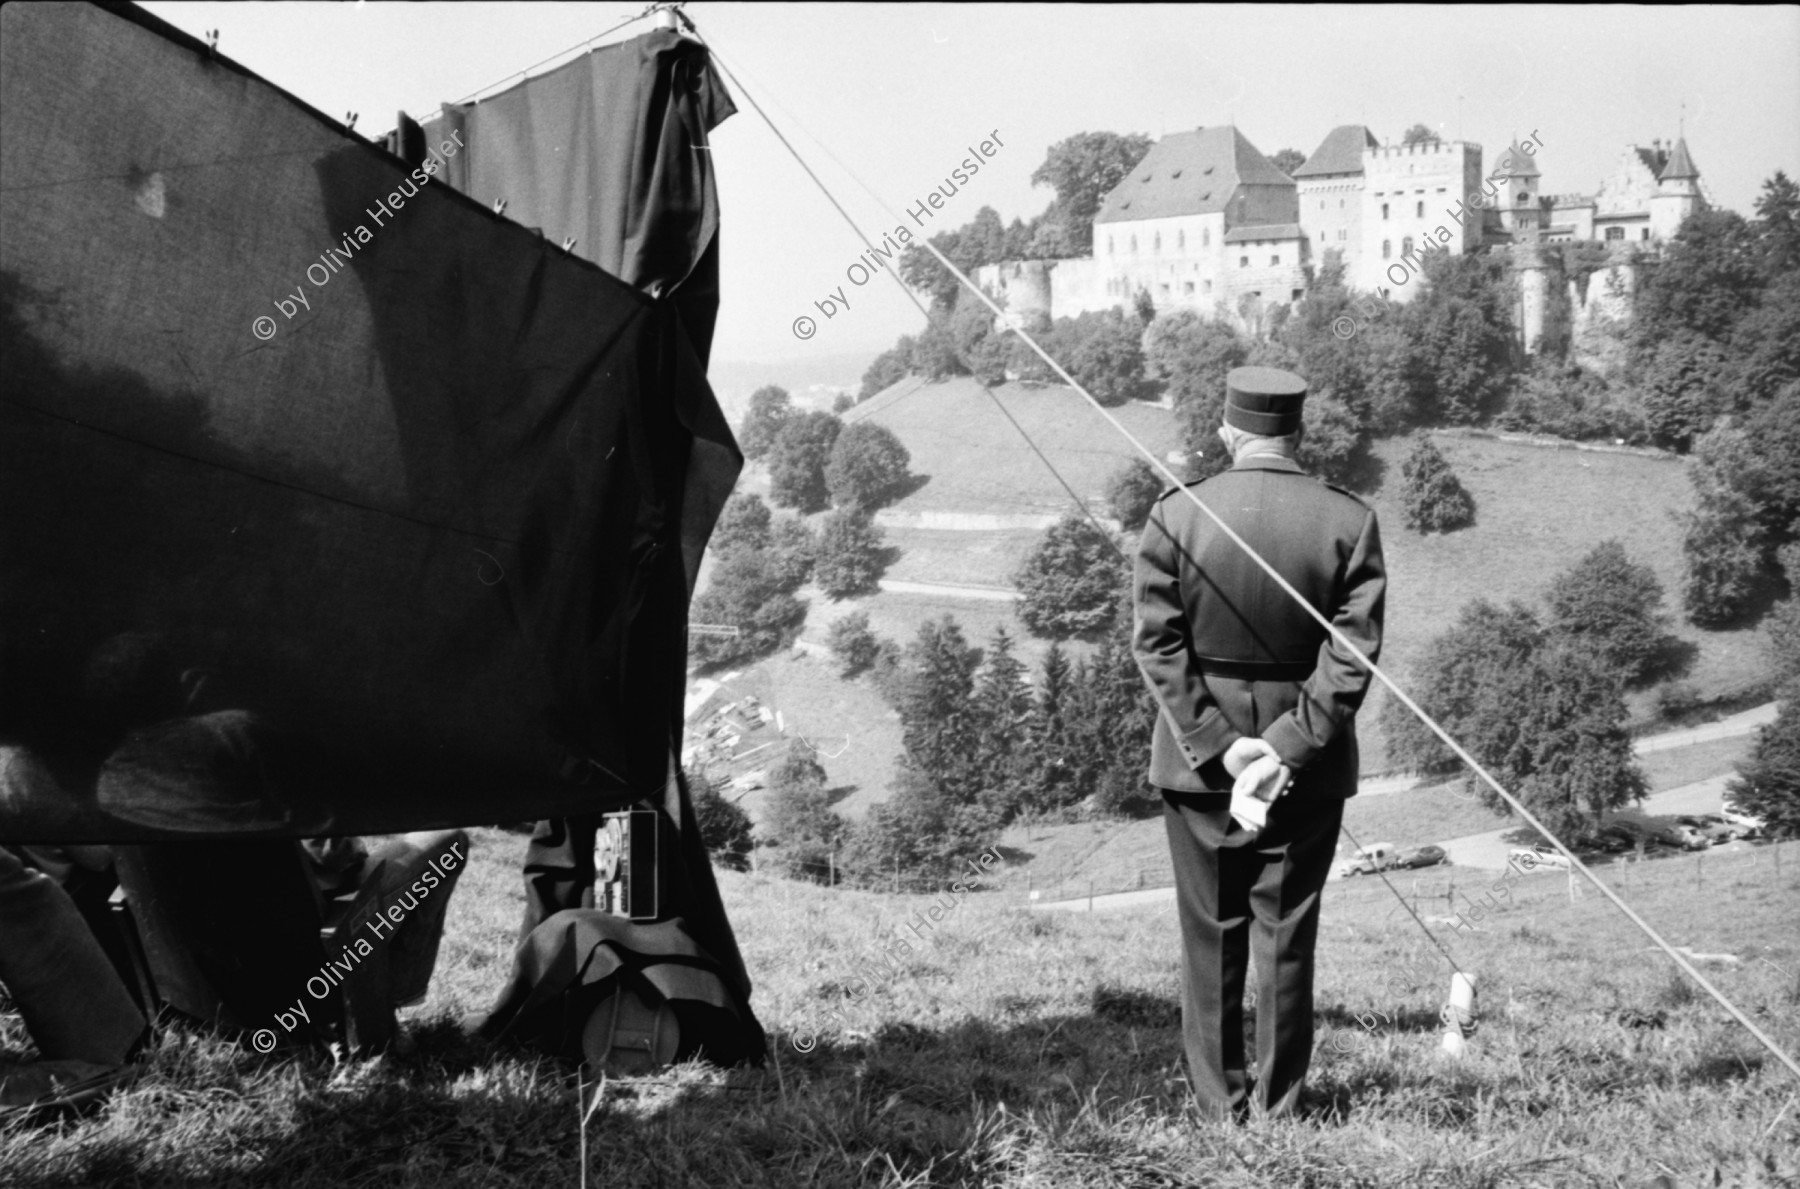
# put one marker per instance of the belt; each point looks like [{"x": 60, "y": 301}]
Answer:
[{"x": 1257, "y": 670}]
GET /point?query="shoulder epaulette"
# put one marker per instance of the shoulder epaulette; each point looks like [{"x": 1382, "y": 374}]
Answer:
[{"x": 1346, "y": 491}]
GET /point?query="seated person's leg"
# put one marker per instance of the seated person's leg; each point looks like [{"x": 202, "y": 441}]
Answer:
[
  {"x": 417, "y": 873},
  {"x": 73, "y": 1003}
]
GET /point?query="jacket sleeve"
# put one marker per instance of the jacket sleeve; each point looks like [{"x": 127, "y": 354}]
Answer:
[
  {"x": 1330, "y": 698},
  {"x": 1162, "y": 643}
]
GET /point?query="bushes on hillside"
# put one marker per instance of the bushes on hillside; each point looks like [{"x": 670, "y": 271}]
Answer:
[
  {"x": 1433, "y": 499},
  {"x": 889, "y": 368},
  {"x": 800, "y": 822},
  {"x": 1070, "y": 581}
]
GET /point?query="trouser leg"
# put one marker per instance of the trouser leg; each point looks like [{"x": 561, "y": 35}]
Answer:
[
  {"x": 1285, "y": 904},
  {"x": 401, "y": 866},
  {"x": 73, "y": 1003},
  {"x": 1211, "y": 892}
]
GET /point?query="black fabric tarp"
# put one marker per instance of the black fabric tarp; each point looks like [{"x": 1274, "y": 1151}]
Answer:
[{"x": 432, "y": 530}]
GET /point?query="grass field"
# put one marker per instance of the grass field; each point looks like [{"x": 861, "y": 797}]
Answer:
[{"x": 1023, "y": 1049}]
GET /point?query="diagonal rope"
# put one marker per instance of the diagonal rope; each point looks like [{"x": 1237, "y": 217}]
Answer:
[{"x": 1331, "y": 629}]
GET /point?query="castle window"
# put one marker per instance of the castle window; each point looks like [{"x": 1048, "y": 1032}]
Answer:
[
  {"x": 1299, "y": 293},
  {"x": 1165, "y": 289},
  {"x": 1421, "y": 210},
  {"x": 1342, "y": 235},
  {"x": 1206, "y": 237},
  {"x": 1387, "y": 248},
  {"x": 1134, "y": 245},
  {"x": 1208, "y": 284},
  {"x": 1340, "y": 204},
  {"x": 1321, "y": 204},
  {"x": 1156, "y": 242},
  {"x": 1187, "y": 287},
  {"x": 1275, "y": 259},
  {"x": 1384, "y": 210},
  {"x": 1243, "y": 262},
  {"x": 1109, "y": 245},
  {"x": 1643, "y": 233},
  {"x": 1406, "y": 248},
  {"x": 1181, "y": 239},
  {"x": 1613, "y": 233}
]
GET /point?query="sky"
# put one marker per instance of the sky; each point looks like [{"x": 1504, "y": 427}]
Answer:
[{"x": 894, "y": 94}]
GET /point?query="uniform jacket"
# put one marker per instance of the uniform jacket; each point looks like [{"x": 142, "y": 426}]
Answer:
[{"x": 1228, "y": 653}]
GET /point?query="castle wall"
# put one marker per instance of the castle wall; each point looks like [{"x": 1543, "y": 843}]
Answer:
[
  {"x": 1410, "y": 192},
  {"x": 1331, "y": 214}
]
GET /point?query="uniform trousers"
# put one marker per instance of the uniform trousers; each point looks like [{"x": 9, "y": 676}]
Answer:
[{"x": 1240, "y": 895}]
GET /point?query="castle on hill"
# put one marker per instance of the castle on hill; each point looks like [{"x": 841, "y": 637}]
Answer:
[{"x": 1206, "y": 222}]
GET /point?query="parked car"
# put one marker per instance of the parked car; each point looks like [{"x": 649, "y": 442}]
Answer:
[
  {"x": 1377, "y": 856},
  {"x": 1714, "y": 827},
  {"x": 1424, "y": 856},
  {"x": 1660, "y": 831},
  {"x": 1605, "y": 840},
  {"x": 1752, "y": 826},
  {"x": 1529, "y": 857}
]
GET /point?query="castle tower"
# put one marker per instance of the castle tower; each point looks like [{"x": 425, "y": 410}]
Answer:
[
  {"x": 1411, "y": 193},
  {"x": 1534, "y": 292},
  {"x": 1677, "y": 193},
  {"x": 1520, "y": 213}
]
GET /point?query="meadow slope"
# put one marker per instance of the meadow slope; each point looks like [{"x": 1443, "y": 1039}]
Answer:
[{"x": 1018, "y": 1049}]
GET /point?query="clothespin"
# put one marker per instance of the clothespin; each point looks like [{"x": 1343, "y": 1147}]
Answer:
[
  {"x": 212, "y": 43},
  {"x": 499, "y": 206},
  {"x": 350, "y": 121},
  {"x": 568, "y": 244}
]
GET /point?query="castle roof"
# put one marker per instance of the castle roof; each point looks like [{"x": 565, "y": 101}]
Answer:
[
  {"x": 1340, "y": 152},
  {"x": 1189, "y": 173},
  {"x": 1517, "y": 163},
  {"x": 1681, "y": 166},
  {"x": 1267, "y": 231},
  {"x": 1654, "y": 159}
]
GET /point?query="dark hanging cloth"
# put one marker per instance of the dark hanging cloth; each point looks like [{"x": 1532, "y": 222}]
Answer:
[{"x": 611, "y": 151}]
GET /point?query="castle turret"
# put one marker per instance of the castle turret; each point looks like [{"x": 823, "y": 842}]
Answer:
[
  {"x": 1677, "y": 193},
  {"x": 1520, "y": 213}
]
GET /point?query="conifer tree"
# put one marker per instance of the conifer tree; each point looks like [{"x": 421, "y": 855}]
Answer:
[{"x": 1433, "y": 499}]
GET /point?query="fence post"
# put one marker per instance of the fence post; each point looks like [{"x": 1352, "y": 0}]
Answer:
[{"x": 1090, "y": 893}]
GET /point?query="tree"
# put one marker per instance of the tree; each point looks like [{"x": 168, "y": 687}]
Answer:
[
  {"x": 934, "y": 354},
  {"x": 1747, "y": 501},
  {"x": 1454, "y": 682},
  {"x": 793, "y": 551},
  {"x": 853, "y": 643},
  {"x": 1002, "y": 703},
  {"x": 1433, "y": 498},
  {"x": 1418, "y": 134},
  {"x": 800, "y": 819},
  {"x": 1288, "y": 160},
  {"x": 1192, "y": 355},
  {"x": 1768, "y": 783},
  {"x": 743, "y": 524},
  {"x": 797, "y": 461},
  {"x": 939, "y": 726},
  {"x": 1083, "y": 169},
  {"x": 724, "y": 826},
  {"x": 867, "y": 467},
  {"x": 1460, "y": 332},
  {"x": 744, "y": 592},
  {"x": 842, "y": 403},
  {"x": 850, "y": 556},
  {"x": 1546, "y": 719},
  {"x": 890, "y": 367},
  {"x": 1333, "y": 445},
  {"x": 770, "y": 408},
  {"x": 1054, "y": 766},
  {"x": 1778, "y": 226},
  {"x": 1114, "y": 715},
  {"x": 1109, "y": 360},
  {"x": 1684, "y": 388},
  {"x": 1708, "y": 278},
  {"x": 1132, "y": 491},
  {"x": 1610, "y": 604},
  {"x": 1070, "y": 581}
]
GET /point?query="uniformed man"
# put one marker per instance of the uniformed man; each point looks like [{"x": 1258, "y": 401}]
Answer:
[{"x": 1255, "y": 695}]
